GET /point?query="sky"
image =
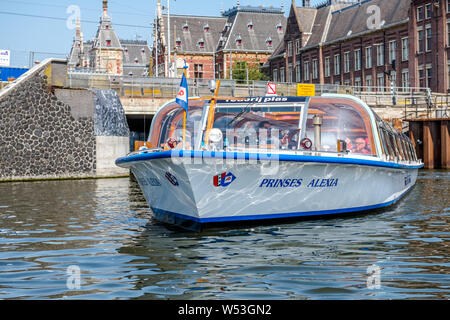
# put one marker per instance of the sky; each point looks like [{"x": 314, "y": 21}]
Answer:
[{"x": 45, "y": 27}]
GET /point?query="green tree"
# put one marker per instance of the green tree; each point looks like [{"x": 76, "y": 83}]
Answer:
[{"x": 254, "y": 73}]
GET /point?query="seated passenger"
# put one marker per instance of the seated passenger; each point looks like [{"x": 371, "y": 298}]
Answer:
[
  {"x": 265, "y": 137},
  {"x": 360, "y": 146}
]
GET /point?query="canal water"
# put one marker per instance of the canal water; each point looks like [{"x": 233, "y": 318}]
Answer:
[{"x": 95, "y": 239}]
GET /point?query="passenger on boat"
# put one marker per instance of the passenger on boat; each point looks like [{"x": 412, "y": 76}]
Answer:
[
  {"x": 265, "y": 133},
  {"x": 360, "y": 146}
]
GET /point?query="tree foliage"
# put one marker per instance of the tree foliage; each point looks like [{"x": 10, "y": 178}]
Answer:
[{"x": 254, "y": 73}]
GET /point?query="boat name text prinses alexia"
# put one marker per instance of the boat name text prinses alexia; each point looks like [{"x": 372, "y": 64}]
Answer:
[{"x": 295, "y": 183}]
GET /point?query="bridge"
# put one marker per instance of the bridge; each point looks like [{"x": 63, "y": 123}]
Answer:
[{"x": 49, "y": 96}]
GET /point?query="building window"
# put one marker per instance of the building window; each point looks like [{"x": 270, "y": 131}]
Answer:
[
  {"x": 185, "y": 27},
  {"x": 282, "y": 75},
  {"x": 298, "y": 71},
  {"x": 275, "y": 75},
  {"x": 428, "y": 11},
  {"x": 238, "y": 41},
  {"x": 206, "y": 28},
  {"x": 428, "y": 39},
  {"x": 306, "y": 71},
  {"x": 357, "y": 59},
  {"x": 269, "y": 42},
  {"x": 405, "y": 49},
  {"x": 108, "y": 43},
  {"x": 297, "y": 46},
  {"x": 369, "y": 82},
  {"x": 405, "y": 79},
  {"x": 315, "y": 69},
  {"x": 392, "y": 51},
  {"x": 337, "y": 64},
  {"x": 327, "y": 67},
  {"x": 368, "y": 57},
  {"x": 380, "y": 54},
  {"x": 250, "y": 25},
  {"x": 420, "y": 13},
  {"x": 346, "y": 62},
  {"x": 421, "y": 77},
  {"x": 290, "y": 73},
  {"x": 178, "y": 43},
  {"x": 279, "y": 27},
  {"x": 380, "y": 82},
  {"x": 198, "y": 71},
  {"x": 347, "y": 82},
  {"x": 448, "y": 74},
  {"x": 448, "y": 33},
  {"x": 357, "y": 82},
  {"x": 289, "y": 49},
  {"x": 201, "y": 43},
  {"x": 429, "y": 74},
  {"x": 420, "y": 40}
]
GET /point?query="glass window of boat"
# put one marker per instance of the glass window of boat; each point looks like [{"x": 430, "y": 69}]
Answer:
[
  {"x": 258, "y": 125},
  {"x": 168, "y": 123},
  {"x": 342, "y": 119},
  {"x": 387, "y": 146}
]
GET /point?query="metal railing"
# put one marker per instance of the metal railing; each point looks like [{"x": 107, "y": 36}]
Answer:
[{"x": 420, "y": 99}]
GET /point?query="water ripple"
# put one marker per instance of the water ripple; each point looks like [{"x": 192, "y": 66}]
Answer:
[{"x": 104, "y": 229}]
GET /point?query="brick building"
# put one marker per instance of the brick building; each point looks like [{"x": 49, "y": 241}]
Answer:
[
  {"x": 107, "y": 53},
  {"x": 366, "y": 43},
  {"x": 212, "y": 45}
]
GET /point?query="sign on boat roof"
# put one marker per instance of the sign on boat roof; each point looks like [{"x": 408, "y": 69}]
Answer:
[{"x": 273, "y": 99}]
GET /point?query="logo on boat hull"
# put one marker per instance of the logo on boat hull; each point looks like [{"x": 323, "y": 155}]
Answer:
[
  {"x": 172, "y": 179},
  {"x": 223, "y": 179}
]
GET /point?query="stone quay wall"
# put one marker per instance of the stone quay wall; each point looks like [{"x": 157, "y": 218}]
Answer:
[{"x": 48, "y": 132}]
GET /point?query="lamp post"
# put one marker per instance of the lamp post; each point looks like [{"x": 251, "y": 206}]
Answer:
[{"x": 168, "y": 40}]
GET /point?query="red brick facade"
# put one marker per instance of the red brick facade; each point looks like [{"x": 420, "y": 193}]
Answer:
[{"x": 366, "y": 58}]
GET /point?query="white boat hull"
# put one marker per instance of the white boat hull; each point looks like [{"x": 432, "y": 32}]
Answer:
[{"x": 218, "y": 191}]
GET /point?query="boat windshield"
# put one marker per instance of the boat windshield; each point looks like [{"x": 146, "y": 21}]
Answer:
[
  {"x": 258, "y": 125},
  {"x": 168, "y": 124},
  {"x": 342, "y": 120}
]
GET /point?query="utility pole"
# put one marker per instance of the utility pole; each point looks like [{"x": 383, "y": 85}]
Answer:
[
  {"x": 175, "y": 53},
  {"x": 168, "y": 40}
]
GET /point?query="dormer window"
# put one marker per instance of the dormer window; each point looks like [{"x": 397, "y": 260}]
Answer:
[
  {"x": 186, "y": 27},
  {"x": 107, "y": 27},
  {"x": 178, "y": 43},
  {"x": 143, "y": 51},
  {"x": 108, "y": 42},
  {"x": 250, "y": 25},
  {"x": 201, "y": 43},
  {"x": 136, "y": 60},
  {"x": 269, "y": 42},
  {"x": 126, "y": 50},
  {"x": 238, "y": 41},
  {"x": 206, "y": 28},
  {"x": 280, "y": 27}
]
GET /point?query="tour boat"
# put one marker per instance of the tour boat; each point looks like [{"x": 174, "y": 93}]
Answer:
[{"x": 270, "y": 157}]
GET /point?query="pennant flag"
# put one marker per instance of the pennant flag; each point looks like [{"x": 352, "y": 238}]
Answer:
[{"x": 182, "y": 96}]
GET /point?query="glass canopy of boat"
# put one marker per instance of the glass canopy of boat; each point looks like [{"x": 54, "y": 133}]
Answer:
[{"x": 284, "y": 125}]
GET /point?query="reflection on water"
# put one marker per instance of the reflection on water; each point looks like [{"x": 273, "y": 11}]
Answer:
[{"x": 104, "y": 228}]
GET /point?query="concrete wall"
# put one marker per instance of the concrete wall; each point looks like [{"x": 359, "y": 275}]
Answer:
[{"x": 108, "y": 150}]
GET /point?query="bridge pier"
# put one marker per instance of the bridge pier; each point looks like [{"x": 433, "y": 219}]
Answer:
[{"x": 432, "y": 141}]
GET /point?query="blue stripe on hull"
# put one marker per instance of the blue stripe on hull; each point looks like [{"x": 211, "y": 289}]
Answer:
[
  {"x": 181, "y": 219},
  {"x": 260, "y": 156}
]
